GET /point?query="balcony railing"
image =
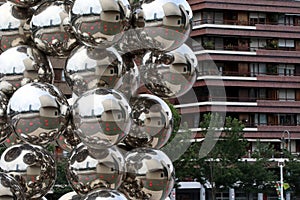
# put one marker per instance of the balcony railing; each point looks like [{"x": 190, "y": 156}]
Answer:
[
  {"x": 244, "y": 99},
  {"x": 245, "y": 74},
  {"x": 239, "y": 22}
]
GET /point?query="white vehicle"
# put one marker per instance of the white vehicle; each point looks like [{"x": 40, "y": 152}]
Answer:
[{"x": 189, "y": 190}]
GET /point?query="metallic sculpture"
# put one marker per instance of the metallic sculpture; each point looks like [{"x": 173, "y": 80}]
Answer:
[
  {"x": 90, "y": 169},
  {"x": 5, "y": 128},
  {"x": 41, "y": 115},
  {"x": 170, "y": 74},
  {"x": 24, "y": 64},
  {"x": 10, "y": 188},
  {"x": 51, "y": 30},
  {"x": 13, "y": 29},
  {"x": 68, "y": 139},
  {"x": 100, "y": 23},
  {"x": 163, "y": 25},
  {"x": 88, "y": 68},
  {"x": 105, "y": 195},
  {"x": 32, "y": 167},
  {"x": 25, "y": 3},
  {"x": 152, "y": 122},
  {"x": 101, "y": 117},
  {"x": 150, "y": 174}
]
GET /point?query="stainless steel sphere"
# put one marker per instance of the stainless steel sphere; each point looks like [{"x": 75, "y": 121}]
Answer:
[
  {"x": 12, "y": 139},
  {"x": 171, "y": 74},
  {"x": 90, "y": 169},
  {"x": 89, "y": 68},
  {"x": 10, "y": 188},
  {"x": 33, "y": 168},
  {"x": 101, "y": 117},
  {"x": 51, "y": 29},
  {"x": 100, "y": 23},
  {"x": 152, "y": 122},
  {"x": 38, "y": 112},
  {"x": 105, "y": 195},
  {"x": 150, "y": 175},
  {"x": 5, "y": 128},
  {"x": 24, "y": 64},
  {"x": 68, "y": 139},
  {"x": 163, "y": 25},
  {"x": 12, "y": 21},
  {"x": 25, "y": 3},
  {"x": 70, "y": 196},
  {"x": 129, "y": 83}
]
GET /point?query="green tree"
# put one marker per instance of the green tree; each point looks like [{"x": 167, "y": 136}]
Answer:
[
  {"x": 292, "y": 175},
  {"x": 217, "y": 166},
  {"x": 61, "y": 184},
  {"x": 257, "y": 174},
  {"x": 220, "y": 165}
]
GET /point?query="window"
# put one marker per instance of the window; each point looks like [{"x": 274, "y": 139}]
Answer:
[
  {"x": 289, "y": 20},
  {"x": 286, "y": 70},
  {"x": 257, "y": 68},
  {"x": 260, "y": 119},
  {"x": 287, "y": 119},
  {"x": 257, "y": 43},
  {"x": 208, "y": 17},
  {"x": 286, "y": 95},
  {"x": 286, "y": 43},
  {"x": 262, "y": 93},
  {"x": 257, "y": 18}
]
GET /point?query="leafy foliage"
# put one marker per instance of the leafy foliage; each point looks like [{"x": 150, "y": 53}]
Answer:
[{"x": 61, "y": 184}]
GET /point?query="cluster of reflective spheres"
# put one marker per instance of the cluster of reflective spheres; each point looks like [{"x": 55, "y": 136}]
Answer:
[{"x": 112, "y": 131}]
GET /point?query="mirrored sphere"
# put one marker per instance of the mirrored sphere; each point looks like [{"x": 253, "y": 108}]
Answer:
[
  {"x": 25, "y": 3},
  {"x": 5, "y": 128},
  {"x": 10, "y": 188},
  {"x": 89, "y": 68},
  {"x": 100, "y": 23},
  {"x": 150, "y": 174},
  {"x": 51, "y": 29},
  {"x": 101, "y": 117},
  {"x": 152, "y": 122},
  {"x": 70, "y": 196},
  {"x": 171, "y": 74},
  {"x": 90, "y": 169},
  {"x": 38, "y": 112},
  {"x": 129, "y": 83},
  {"x": 24, "y": 64},
  {"x": 12, "y": 139},
  {"x": 105, "y": 195},
  {"x": 68, "y": 139},
  {"x": 12, "y": 21},
  {"x": 32, "y": 167},
  {"x": 163, "y": 25}
]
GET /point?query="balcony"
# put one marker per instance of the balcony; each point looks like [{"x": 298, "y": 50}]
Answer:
[
  {"x": 279, "y": 6},
  {"x": 269, "y": 25}
]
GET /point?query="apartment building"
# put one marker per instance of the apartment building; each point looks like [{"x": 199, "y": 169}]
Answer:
[{"x": 255, "y": 47}]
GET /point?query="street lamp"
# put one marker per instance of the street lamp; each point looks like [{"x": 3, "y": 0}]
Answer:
[{"x": 281, "y": 165}]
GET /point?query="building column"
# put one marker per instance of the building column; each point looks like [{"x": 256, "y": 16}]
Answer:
[
  {"x": 231, "y": 194},
  {"x": 260, "y": 196}
]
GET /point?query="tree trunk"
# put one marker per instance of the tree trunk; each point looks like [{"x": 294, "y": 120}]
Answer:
[
  {"x": 213, "y": 187},
  {"x": 213, "y": 193}
]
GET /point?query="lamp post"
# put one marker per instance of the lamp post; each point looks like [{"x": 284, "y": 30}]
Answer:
[{"x": 281, "y": 165}]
